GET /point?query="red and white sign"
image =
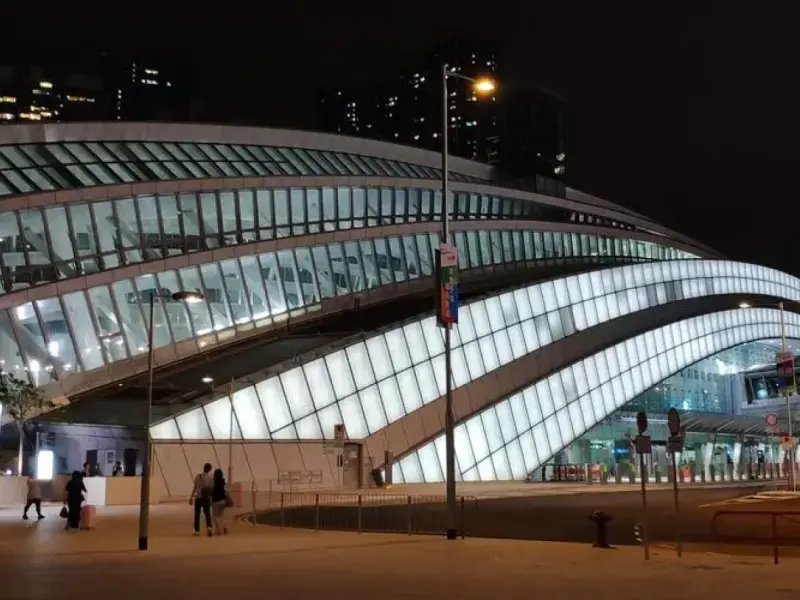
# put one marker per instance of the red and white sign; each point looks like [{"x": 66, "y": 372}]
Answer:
[{"x": 771, "y": 420}]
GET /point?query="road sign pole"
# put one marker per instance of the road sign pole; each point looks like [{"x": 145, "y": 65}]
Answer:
[{"x": 677, "y": 504}]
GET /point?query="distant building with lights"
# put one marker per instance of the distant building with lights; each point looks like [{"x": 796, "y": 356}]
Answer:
[
  {"x": 101, "y": 88},
  {"x": 520, "y": 131}
]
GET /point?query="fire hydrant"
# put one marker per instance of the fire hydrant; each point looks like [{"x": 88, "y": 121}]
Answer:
[{"x": 600, "y": 520}]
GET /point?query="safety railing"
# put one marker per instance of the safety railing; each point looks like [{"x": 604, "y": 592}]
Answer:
[
  {"x": 782, "y": 529},
  {"x": 361, "y": 512}
]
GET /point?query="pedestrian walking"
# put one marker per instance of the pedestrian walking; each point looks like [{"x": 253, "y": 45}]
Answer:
[
  {"x": 201, "y": 498},
  {"x": 34, "y": 498},
  {"x": 220, "y": 501}
]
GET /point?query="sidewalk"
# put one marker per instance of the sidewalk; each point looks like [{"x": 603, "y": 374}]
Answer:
[{"x": 47, "y": 562}]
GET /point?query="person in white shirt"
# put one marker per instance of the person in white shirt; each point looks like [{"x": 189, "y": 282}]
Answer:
[
  {"x": 201, "y": 498},
  {"x": 34, "y": 498}
]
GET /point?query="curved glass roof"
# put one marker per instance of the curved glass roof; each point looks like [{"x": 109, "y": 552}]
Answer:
[
  {"x": 523, "y": 432},
  {"x": 62, "y": 241},
  {"x": 88, "y": 330},
  {"x": 374, "y": 382},
  {"x": 30, "y": 168}
]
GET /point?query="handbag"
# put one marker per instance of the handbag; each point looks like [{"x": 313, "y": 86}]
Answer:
[
  {"x": 228, "y": 502},
  {"x": 64, "y": 512}
]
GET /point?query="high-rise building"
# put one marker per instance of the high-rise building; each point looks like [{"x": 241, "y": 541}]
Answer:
[
  {"x": 99, "y": 88},
  {"x": 517, "y": 129}
]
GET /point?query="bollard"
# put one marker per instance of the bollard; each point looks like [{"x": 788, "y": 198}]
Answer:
[
  {"x": 600, "y": 519},
  {"x": 409, "y": 515},
  {"x": 359, "y": 513}
]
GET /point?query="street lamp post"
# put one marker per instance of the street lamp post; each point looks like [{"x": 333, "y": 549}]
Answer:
[
  {"x": 480, "y": 85},
  {"x": 144, "y": 500}
]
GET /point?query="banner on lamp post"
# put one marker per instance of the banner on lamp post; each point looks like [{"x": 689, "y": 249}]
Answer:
[{"x": 447, "y": 285}]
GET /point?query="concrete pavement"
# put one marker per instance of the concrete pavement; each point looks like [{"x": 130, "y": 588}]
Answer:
[{"x": 46, "y": 562}]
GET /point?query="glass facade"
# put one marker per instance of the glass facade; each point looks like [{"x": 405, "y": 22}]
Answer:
[
  {"x": 376, "y": 381},
  {"x": 30, "y": 168},
  {"x": 514, "y": 437},
  {"x": 43, "y": 245},
  {"x": 88, "y": 329}
]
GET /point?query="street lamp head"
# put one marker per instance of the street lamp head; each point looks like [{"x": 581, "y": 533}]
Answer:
[
  {"x": 207, "y": 379},
  {"x": 188, "y": 296},
  {"x": 484, "y": 85},
  {"x": 745, "y": 305}
]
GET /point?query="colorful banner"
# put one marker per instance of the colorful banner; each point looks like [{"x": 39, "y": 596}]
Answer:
[{"x": 447, "y": 297}]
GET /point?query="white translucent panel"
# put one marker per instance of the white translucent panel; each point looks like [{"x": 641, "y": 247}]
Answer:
[
  {"x": 373, "y": 408},
  {"x": 543, "y": 331},
  {"x": 502, "y": 470},
  {"x": 549, "y": 296},
  {"x": 416, "y": 342},
  {"x": 249, "y": 415},
  {"x": 489, "y": 354},
  {"x": 308, "y": 428},
  {"x": 341, "y": 378},
  {"x": 517, "y": 341},
  {"x": 412, "y": 471},
  {"x": 392, "y": 401},
  {"x": 590, "y": 310},
  {"x": 428, "y": 389},
  {"x": 492, "y": 429},
  {"x": 472, "y": 354},
  {"x": 591, "y": 372},
  {"x": 458, "y": 367},
  {"x": 477, "y": 437},
  {"x": 353, "y": 418},
  {"x": 556, "y": 391},
  {"x": 480, "y": 319},
  {"x": 529, "y": 451},
  {"x": 273, "y": 403},
  {"x": 461, "y": 441},
  {"x": 193, "y": 425},
  {"x": 466, "y": 330},
  {"x": 565, "y": 425},
  {"x": 471, "y": 475},
  {"x": 553, "y": 433},
  {"x": 545, "y": 397},
  {"x": 398, "y": 350},
  {"x": 319, "y": 383},
  {"x": 506, "y": 420},
  {"x": 542, "y": 443},
  {"x": 409, "y": 390},
  {"x": 516, "y": 460},
  {"x": 607, "y": 393},
  {"x": 562, "y": 293},
  {"x": 576, "y": 419},
  {"x": 438, "y": 370},
  {"x": 503, "y": 346},
  {"x": 433, "y": 335},
  {"x": 587, "y": 410},
  {"x": 429, "y": 463},
  {"x": 166, "y": 430},
  {"x": 495, "y": 313},
  {"x": 486, "y": 470},
  {"x": 397, "y": 473},
  {"x": 509, "y": 308},
  {"x": 523, "y": 304},
  {"x": 218, "y": 415},
  {"x": 519, "y": 412},
  {"x": 328, "y": 419},
  {"x": 360, "y": 365},
  {"x": 439, "y": 444},
  {"x": 297, "y": 394},
  {"x": 379, "y": 355},
  {"x": 529, "y": 333}
]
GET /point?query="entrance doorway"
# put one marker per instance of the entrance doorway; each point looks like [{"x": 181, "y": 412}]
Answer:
[
  {"x": 351, "y": 466},
  {"x": 129, "y": 462}
]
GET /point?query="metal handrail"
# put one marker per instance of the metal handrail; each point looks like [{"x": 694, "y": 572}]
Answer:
[{"x": 775, "y": 540}]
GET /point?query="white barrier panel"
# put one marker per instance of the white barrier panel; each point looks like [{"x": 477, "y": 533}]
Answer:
[{"x": 13, "y": 490}]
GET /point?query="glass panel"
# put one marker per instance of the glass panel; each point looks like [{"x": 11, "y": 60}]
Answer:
[{"x": 88, "y": 348}]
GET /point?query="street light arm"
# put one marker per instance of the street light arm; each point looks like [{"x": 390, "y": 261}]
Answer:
[{"x": 450, "y": 73}]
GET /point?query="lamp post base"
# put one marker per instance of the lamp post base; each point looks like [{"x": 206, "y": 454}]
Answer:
[
  {"x": 452, "y": 534},
  {"x": 142, "y": 542}
]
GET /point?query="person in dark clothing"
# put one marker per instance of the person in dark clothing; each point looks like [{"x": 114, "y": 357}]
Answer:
[
  {"x": 75, "y": 490},
  {"x": 219, "y": 502},
  {"x": 201, "y": 498}
]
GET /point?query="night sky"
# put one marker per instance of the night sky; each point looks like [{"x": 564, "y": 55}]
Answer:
[{"x": 690, "y": 117}]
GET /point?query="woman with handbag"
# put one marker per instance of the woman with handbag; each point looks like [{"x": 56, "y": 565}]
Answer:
[
  {"x": 220, "y": 500},
  {"x": 75, "y": 491}
]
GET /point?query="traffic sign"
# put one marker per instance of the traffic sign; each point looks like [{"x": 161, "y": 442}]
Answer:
[
  {"x": 644, "y": 444},
  {"x": 674, "y": 421},
  {"x": 675, "y": 443},
  {"x": 641, "y": 421}
]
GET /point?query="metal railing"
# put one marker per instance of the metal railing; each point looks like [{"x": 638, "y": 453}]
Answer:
[
  {"x": 749, "y": 530},
  {"x": 360, "y": 512}
]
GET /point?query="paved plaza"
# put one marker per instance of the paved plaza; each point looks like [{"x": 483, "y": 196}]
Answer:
[{"x": 40, "y": 560}]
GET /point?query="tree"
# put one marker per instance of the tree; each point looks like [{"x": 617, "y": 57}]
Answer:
[{"x": 21, "y": 401}]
